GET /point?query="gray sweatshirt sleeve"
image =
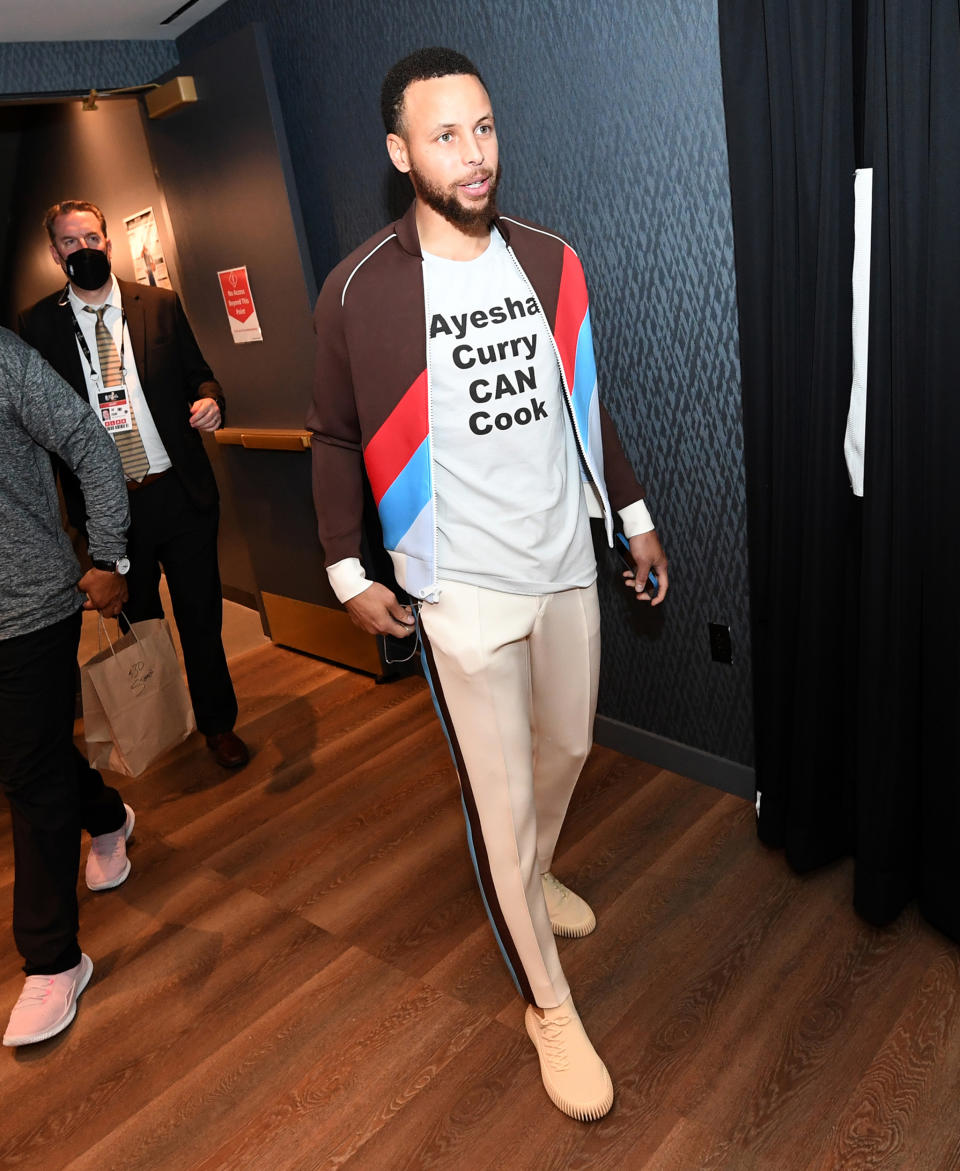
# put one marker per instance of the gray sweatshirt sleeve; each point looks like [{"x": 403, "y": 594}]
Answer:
[{"x": 55, "y": 416}]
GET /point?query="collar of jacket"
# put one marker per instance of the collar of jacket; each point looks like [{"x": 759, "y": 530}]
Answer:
[{"x": 409, "y": 238}]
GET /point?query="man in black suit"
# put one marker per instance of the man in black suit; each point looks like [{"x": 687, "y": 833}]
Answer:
[{"x": 129, "y": 350}]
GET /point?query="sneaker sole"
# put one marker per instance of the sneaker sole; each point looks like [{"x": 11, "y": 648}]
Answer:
[
  {"x": 581, "y": 1113},
  {"x": 86, "y": 972},
  {"x": 121, "y": 878},
  {"x": 118, "y": 881},
  {"x": 565, "y": 931}
]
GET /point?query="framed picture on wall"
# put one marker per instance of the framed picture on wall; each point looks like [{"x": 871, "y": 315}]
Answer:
[{"x": 146, "y": 250}]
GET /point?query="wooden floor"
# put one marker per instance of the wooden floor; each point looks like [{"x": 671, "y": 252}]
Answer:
[{"x": 299, "y": 974}]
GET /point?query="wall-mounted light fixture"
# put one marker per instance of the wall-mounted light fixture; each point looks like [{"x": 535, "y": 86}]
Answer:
[{"x": 172, "y": 95}]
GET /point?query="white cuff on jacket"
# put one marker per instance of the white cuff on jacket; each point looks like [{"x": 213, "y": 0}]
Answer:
[
  {"x": 636, "y": 519},
  {"x": 347, "y": 578}
]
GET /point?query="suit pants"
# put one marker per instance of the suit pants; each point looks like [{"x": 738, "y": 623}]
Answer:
[
  {"x": 166, "y": 528},
  {"x": 52, "y": 790},
  {"x": 514, "y": 679}
]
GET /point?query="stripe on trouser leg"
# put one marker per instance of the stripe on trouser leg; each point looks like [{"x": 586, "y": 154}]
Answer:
[{"x": 475, "y": 842}]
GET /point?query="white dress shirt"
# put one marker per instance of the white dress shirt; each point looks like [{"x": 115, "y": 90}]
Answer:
[{"x": 114, "y": 321}]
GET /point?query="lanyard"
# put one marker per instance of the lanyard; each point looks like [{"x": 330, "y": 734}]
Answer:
[{"x": 85, "y": 349}]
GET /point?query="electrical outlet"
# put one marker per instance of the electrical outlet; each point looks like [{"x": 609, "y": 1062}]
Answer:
[{"x": 721, "y": 648}]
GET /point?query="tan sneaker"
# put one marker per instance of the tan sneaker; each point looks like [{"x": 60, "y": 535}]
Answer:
[
  {"x": 574, "y": 1077},
  {"x": 107, "y": 862},
  {"x": 569, "y": 915}
]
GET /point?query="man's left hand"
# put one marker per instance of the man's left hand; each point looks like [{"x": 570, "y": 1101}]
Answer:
[
  {"x": 105, "y": 591},
  {"x": 647, "y": 554},
  {"x": 205, "y": 414}
]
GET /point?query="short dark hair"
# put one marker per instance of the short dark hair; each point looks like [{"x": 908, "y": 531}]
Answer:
[
  {"x": 419, "y": 66},
  {"x": 64, "y": 207}
]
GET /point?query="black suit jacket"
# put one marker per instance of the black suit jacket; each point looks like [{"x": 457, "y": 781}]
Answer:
[{"x": 172, "y": 372}]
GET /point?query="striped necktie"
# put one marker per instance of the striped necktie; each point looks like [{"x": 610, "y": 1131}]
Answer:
[{"x": 133, "y": 454}]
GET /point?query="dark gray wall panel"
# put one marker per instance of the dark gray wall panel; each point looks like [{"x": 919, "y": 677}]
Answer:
[
  {"x": 220, "y": 164},
  {"x": 34, "y": 67},
  {"x": 611, "y": 126}
]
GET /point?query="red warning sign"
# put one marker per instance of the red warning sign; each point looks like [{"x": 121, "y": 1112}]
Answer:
[{"x": 238, "y": 301}]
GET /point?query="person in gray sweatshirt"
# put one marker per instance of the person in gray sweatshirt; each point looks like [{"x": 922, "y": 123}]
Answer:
[{"x": 52, "y": 790}]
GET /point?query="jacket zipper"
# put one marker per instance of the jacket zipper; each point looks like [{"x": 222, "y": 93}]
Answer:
[
  {"x": 433, "y": 476},
  {"x": 568, "y": 401}
]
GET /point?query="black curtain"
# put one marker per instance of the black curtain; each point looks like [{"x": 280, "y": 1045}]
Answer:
[{"x": 856, "y": 626}]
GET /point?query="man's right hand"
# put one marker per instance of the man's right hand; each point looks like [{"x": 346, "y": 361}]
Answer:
[
  {"x": 377, "y": 611},
  {"x": 105, "y": 591}
]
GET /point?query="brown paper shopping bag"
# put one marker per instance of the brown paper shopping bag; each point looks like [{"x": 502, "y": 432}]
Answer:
[{"x": 135, "y": 701}]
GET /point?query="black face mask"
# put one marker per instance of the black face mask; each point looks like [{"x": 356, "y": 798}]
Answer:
[{"x": 88, "y": 268}]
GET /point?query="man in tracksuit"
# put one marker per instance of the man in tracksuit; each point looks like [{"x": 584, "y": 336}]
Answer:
[{"x": 455, "y": 365}]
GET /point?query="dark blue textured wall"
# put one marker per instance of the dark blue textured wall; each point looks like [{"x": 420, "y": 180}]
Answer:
[
  {"x": 611, "y": 128},
  {"x": 34, "y": 67}
]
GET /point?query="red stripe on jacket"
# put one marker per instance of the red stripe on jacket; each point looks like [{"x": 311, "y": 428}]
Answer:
[
  {"x": 571, "y": 310},
  {"x": 398, "y": 437}
]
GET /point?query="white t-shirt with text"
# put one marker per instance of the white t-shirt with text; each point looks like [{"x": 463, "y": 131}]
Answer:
[{"x": 511, "y": 513}]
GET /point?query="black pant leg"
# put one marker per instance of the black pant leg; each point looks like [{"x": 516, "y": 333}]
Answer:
[
  {"x": 101, "y": 806},
  {"x": 143, "y": 580},
  {"x": 39, "y": 777},
  {"x": 193, "y": 577},
  {"x": 184, "y": 540}
]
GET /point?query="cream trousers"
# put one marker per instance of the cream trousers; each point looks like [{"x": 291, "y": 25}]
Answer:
[{"x": 514, "y": 680}]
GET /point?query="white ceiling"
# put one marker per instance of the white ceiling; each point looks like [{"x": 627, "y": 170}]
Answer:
[{"x": 97, "y": 20}]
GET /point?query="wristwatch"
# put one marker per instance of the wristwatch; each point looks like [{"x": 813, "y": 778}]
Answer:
[{"x": 121, "y": 565}]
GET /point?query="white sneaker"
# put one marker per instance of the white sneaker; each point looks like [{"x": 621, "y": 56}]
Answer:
[
  {"x": 107, "y": 862},
  {"x": 47, "y": 1005},
  {"x": 574, "y": 1077},
  {"x": 570, "y": 915}
]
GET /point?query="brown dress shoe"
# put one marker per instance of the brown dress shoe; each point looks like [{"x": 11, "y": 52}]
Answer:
[{"x": 229, "y": 749}]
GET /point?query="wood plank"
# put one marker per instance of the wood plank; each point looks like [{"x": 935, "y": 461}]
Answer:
[
  {"x": 884, "y": 1119},
  {"x": 299, "y": 974}
]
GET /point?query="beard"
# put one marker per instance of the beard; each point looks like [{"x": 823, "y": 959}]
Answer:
[{"x": 474, "y": 221}]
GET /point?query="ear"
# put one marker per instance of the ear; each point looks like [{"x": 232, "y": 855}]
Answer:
[
  {"x": 57, "y": 260},
  {"x": 398, "y": 152},
  {"x": 108, "y": 248}
]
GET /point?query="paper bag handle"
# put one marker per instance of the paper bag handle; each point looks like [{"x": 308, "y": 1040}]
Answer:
[{"x": 102, "y": 632}]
